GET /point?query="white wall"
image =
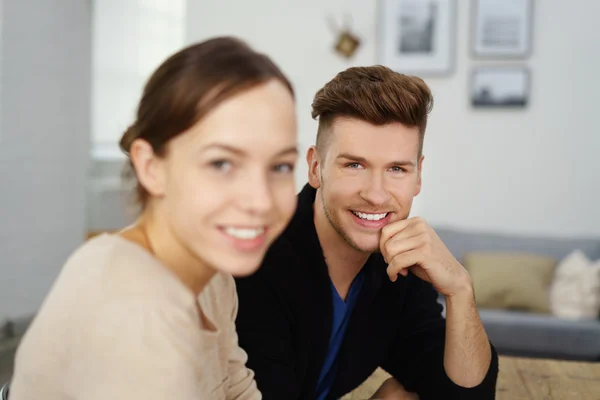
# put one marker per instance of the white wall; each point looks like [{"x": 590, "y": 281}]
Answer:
[
  {"x": 130, "y": 38},
  {"x": 297, "y": 37},
  {"x": 530, "y": 171},
  {"x": 44, "y": 145}
]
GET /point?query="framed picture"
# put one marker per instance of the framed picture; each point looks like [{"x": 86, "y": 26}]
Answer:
[
  {"x": 500, "y": 87},
  {"x": 417, "y": 37},
  {"x": 502, "y": 28}
]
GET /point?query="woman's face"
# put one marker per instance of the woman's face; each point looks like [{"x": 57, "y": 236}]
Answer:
[{"x": 228, "y": 182}]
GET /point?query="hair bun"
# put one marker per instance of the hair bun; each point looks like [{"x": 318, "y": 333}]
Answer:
[{"x": 127, "y": 139}]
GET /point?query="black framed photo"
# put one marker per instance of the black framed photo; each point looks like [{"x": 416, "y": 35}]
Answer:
[
  {"x": 500, "y": 87},
  {"x": 502, "y": 28},
  {"x": 417, "y": 37}
]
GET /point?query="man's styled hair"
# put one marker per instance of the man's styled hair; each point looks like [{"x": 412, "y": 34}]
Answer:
[{"x": 376, "y": 95}]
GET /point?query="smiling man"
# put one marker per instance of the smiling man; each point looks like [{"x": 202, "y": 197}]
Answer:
[{"x": 352, "y": 284}]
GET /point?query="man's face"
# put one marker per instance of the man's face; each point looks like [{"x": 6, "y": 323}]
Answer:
[{"x": 366, "y": 178}]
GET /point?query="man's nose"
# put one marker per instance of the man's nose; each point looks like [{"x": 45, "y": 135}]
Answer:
[{"x": 375, "y": 192}]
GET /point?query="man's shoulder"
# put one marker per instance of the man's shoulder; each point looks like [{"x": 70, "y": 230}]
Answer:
[
  {"x": 298, "y": 243},
  {"x": 286, "y": 251},
  {"x": 281, "y": 253},
  {"x": 286, "y": 269}
]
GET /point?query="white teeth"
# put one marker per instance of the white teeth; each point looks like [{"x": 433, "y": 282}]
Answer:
[
  {"x": 244, "y": 233},
  {"x": 369, "y": 217}
]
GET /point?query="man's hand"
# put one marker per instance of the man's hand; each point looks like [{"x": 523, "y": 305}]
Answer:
[{"x": 413, "y": 244}]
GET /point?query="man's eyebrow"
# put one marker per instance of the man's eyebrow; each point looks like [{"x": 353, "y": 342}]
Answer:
[
  {"x": 351, "y": 157},
  {"x": 403, "y": 163}
]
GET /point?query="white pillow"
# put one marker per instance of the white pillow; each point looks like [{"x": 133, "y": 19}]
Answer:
[{"x": 575, "y": 289}]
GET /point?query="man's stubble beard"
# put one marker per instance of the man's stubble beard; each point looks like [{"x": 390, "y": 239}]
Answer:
[{"x": 338, "y": 228}]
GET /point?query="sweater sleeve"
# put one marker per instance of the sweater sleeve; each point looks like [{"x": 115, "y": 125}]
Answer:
[{"x": 416, "y": 357}]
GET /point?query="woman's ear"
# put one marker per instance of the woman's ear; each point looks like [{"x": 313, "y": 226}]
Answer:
[
  {"x": 149, "y": 168},
  {"x": 314, "y": 167}
]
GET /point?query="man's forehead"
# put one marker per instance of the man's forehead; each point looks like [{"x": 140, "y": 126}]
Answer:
[
  {"x": 391, "y": 140},
  {"x": 351, "y": 127}
]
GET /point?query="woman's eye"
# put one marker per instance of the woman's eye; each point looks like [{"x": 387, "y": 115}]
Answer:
[
  {"x": 221, "y": 165},
  {"x": 284, "y": 168}
]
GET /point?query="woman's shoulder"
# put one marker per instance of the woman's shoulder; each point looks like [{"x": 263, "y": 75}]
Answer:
[
  {"x": 107, "y": 274},
  {"x": 110, "y": 245},
  {"x": 98, "y": 301},
  {"x": 128, "y": 269},
  {"x": 103, "y": 250}
]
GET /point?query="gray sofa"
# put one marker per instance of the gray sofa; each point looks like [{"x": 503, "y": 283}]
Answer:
[{"x": 529, "y": 334}]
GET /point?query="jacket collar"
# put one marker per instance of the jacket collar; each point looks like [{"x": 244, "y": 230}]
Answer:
[
  {"x": 301, "y": 231},
  {"x": 303, "y": 235}
]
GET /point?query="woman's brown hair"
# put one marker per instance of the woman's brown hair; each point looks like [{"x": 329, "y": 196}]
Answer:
[{"x": 188, "y": 85}]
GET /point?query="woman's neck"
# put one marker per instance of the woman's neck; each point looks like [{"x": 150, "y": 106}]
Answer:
[{"x": 156, "y": 237}]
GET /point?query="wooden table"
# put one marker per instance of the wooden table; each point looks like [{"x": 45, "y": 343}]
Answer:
[{"x": 525, "y": 379}]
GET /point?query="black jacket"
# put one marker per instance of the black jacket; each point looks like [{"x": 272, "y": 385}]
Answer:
[{"x": 285, "y": 317}]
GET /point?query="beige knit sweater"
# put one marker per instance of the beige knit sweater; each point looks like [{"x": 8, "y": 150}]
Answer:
[{"x": 117, "y": 324}]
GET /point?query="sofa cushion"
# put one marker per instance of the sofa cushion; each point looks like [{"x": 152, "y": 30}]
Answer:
[
  {"x": 516, "y": 281},
  {"x": 575, "y": 290},
  {"x": 460, "y": 242}
]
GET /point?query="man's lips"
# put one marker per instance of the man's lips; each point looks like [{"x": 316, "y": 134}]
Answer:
[
  {"x": 371, "y": 220},
  {"x": 370, "y": 216}
]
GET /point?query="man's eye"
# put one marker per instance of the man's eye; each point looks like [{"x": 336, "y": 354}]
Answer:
[
  {"x": 353, "y": 165},
  {"x": 397, "y": 169}
]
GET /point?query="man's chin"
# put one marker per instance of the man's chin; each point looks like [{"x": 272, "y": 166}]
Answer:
[
  {"x": 363, "y": 241},
  {"x": 365, "y": 247}
]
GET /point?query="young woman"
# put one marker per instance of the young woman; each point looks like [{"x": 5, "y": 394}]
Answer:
[{"x": 148, "y": 313}]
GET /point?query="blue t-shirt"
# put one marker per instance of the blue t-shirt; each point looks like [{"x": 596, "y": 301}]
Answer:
[{"x": 341, "y": 315}]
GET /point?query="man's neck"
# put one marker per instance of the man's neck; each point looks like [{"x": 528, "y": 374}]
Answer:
[{"x": 343, "y": 261}]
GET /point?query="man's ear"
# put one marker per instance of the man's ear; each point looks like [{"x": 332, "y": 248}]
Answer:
[
  {"x": 149, "y": 168},
  {"x": 419, "y": 174},
  {"x": 314, "y": 167}
]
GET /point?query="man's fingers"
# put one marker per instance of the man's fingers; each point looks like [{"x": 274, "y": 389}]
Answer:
[
  {"x": 403, "y": 228},
  {"x": 400, "y": 263},
  {"x": 399, "y": 244},
  {"x": 392, "y": 229}
]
